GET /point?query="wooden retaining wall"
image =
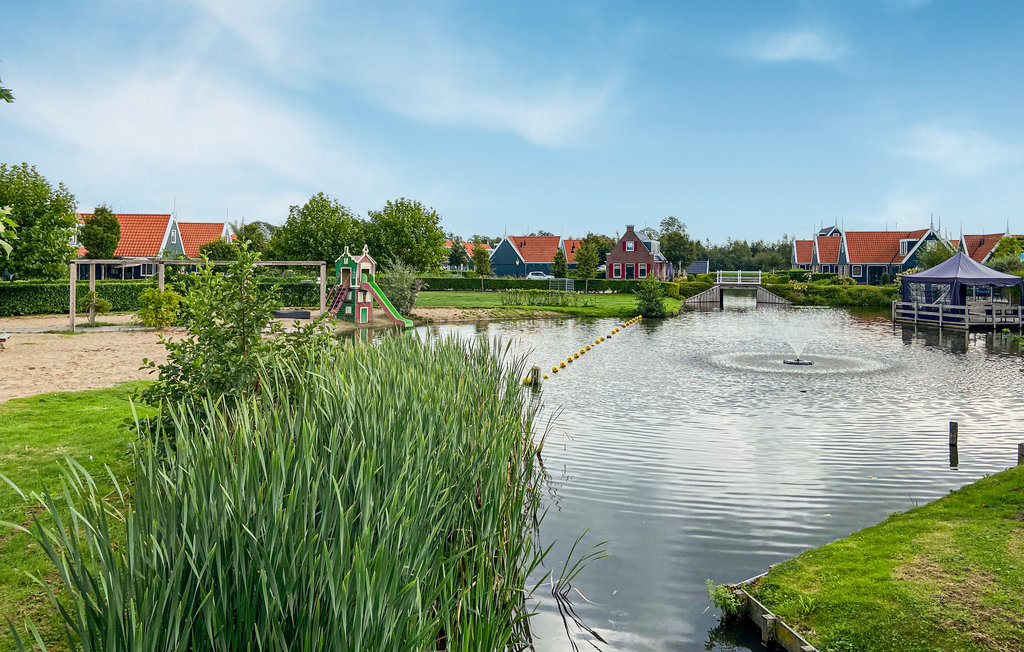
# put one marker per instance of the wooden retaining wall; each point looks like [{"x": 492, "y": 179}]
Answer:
[{"x": 773, "y": 629}]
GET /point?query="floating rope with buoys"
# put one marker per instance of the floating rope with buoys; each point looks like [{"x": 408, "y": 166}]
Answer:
[{"x": 534, "y": 379}]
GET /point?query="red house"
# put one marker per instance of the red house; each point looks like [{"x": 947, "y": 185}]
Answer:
[{"x": 635, "y": 256}]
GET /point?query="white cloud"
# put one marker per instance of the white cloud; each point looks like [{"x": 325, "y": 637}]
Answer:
[
  {"x": 959, "y": 152},
  {"x": 804, "y": 45},
  {"x": 411, "y": 64}
]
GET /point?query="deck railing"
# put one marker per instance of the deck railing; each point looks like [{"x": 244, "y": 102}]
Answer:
[
  {"x": 974, "y": 315},
  {"x": 739, "y": 277}
]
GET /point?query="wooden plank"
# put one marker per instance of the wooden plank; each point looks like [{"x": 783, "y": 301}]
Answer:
[{"x": 72, "y": 287}]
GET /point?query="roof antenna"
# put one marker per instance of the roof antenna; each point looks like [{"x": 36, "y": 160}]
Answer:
[
  {"x": 931, "y": 224},
  {"x": 174, "y": 206}
]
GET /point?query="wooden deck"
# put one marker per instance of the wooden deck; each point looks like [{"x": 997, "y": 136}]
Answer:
[{"x": 974, "y": 316}]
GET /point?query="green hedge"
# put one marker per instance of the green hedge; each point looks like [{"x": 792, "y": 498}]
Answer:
[
  {"x": 51, "y": 297},
  {"x": 822, "y": 276},
  {"x": 688, "y": 289},
  {"x": 837, "y": 296},
  {"x": 499, "y": 283}
]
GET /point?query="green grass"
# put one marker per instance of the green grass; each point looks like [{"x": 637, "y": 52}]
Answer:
[
  {"x": 35, "y": 435},
  {"x": 945, "y": 576},
  {"x": 605, "y": 305}
]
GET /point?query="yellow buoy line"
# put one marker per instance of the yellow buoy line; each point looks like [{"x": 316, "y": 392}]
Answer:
[{"x": 575, "y": 355}]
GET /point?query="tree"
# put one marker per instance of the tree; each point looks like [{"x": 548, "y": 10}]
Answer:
[
  {"x": 540, "y": 233},
  {"x": 560, "y": 265},
  {"x": 100, "y": 233},
  {"x": 219, "y": 249},
  {"x": 457, "y": 256},
  {"x": 933, "y": 253},
  {"x": 1011, "y": 246},
  {"x": 46, "y": 222},
  {"x": 603, "y": 244},
  {"x": 318, "y": 230},
  {"x": 481, "y": 261},
  {"x": 6, "y": 229},
  {"x": 649, "y": 232},
  {"x": 6, "y": 95},
  {"x": 408, "y": 231},
  {"x": 648, "y": 298},
  {"x": 257, "y": 234},
  {"x": 586, "y": 261}
]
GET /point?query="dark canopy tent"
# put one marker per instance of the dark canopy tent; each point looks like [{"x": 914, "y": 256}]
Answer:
[{"x": 947, "y": 282}]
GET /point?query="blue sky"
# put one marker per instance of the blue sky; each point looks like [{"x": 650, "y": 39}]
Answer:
[{"x": 743, "y": 119}]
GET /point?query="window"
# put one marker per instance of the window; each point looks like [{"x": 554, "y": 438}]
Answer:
[
  {"x": 641, "y": 271},
  {"x": 630, "y": 246},
  {"x": 617, "y": 270},
  {"x": 174, "y": 237},
  {"x": 905, "y": 246},
  {"x": 857, "y": 271}
]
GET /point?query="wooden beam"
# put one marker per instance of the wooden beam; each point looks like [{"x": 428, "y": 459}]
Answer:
[
  {"x": 323, "y": 287},
  {"x": 71, "y": 293},
  {"x": 197, "y": 261},
  {"x": 160, "y": 276}
]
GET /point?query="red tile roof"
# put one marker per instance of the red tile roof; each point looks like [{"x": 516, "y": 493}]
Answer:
[
  {"x": 878, "y": 246},
  {"x": 804, "y": 251},
  {"x": 142, "y": 235},
  {"x": 828, "y": 249},
  {"x": 536, "y": 248},
  {"x": 468, "y": 246},
  {"x": 570, "y": 249},
  {"x": 980, "y": 246},
  {"x": 195, "y": 234}
]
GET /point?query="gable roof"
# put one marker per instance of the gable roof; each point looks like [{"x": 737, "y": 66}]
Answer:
[
  {"x": 195, "y": 234},
  {"x": 880, "y": 246},
  {"x": 570, "y": 247},
  {"x": 980, "y": 247},
  {"x": 804, "y": 251},
  {"x": 142, "y": 234},
  {"x": 535, "y": 248},
  {"x": 828, "y": 249},
  {"x": 468, "y": 246}
]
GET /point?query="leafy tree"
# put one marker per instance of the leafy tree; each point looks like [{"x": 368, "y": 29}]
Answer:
[
  {"x": 7, "y": 226},
  {"x": 318, "y": 230},
  {"x": 1006, "y": 264},
  {"x": 219, "y": 249},
  {"x": 406, "y": 230},
  {"x": 603, "y": 244},
  {"x": 586, "y": 261},
  {"x": 1011, "y": 246},
  {"x": 457, "y": 256},
  {"x": 6, "y": 95},
  {"x": 400, "y": 285},
  {"x": 100, "y": 233},
  {"x": 560, "y": 265},
  {"x": 46, "y": 222},
  {"x": 481, "y": 261},
  {"x": 933, "y": 253},
  {"x": 540, "y": 233},
  {"x": 257, "y": 234},
  {"x": 649, "y": 232},
  {"x": 158, "y": 309},
  {"x": 670, "y": 224},
  {"x": 649, "y": 302}
]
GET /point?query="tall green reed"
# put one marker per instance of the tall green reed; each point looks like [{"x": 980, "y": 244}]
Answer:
[{"x": 364, "y": 498}]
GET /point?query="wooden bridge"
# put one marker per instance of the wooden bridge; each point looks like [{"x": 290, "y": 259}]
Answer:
[{"x": 737, "y": 280}]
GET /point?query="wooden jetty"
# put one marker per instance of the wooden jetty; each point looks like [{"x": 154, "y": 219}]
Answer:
[{"x": 972, "y": 316}]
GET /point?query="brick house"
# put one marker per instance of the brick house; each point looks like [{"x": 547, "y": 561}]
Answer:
[{"x": 635, "y": 256}]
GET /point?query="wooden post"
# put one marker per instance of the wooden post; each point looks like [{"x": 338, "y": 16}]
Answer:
[
  {"x": 71, "y": 294},
  {"x": 954, "y": 457},
  {"x": 323, "y": 287},
  {"x": 92, "y": 277},
  {"x": 954, "y": 430},
  {"x": 1020, "y": 454},
  {"x": 160, "y": 276}
]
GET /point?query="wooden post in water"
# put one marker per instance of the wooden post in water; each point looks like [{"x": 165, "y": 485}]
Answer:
[{"x": 954, "y": 429}]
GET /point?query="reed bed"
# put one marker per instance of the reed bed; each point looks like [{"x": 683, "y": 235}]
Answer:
[
  {"x": 366, "y": 498},
  {"x": 553, "y": 298}
]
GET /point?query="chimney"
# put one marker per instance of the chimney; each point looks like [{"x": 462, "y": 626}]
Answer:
[{"x": 629, "y": 227}]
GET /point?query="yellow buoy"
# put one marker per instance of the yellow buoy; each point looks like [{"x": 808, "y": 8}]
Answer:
[
  {"x": 588, "y": 347},
  {"x": 561, "y": 364},
  {"x": 582, "y": 350},
  {"x": 575, "y": 355},
  {"x": 546, "y": 376},
  {"x": 554, "y": 369}
]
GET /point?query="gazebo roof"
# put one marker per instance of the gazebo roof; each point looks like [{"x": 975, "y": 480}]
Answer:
[{"x": 964, "y": 270}]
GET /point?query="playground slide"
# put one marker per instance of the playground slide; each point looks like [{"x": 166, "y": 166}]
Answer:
[{"x": 371, "y": 286}]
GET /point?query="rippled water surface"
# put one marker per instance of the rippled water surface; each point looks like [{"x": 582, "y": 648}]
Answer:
[{"x": 696, "y": 454}]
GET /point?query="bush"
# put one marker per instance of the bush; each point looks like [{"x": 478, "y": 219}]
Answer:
[
  {"x": 884, "y": 278},
  {"x": 648, "y": 294},
  {"x": 92, "y": 304},
  {"x": 400, "y": 286},
  {"x": 52, "y": 297},
  {"x": 822, "y": 276},
  {"x": 798, "y": 275},
  {"x": 688, "y": 289},
  {"x": 158, "y": 309}
]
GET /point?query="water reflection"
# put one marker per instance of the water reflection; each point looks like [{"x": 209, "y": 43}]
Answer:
[{"x": 694, "y": 469}]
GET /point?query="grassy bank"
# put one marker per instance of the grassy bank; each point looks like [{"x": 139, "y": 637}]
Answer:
[
  {"x": 35, "y": 435},
  {"x": 603, "y": 305},
  {"x": 945, "y": 576}
]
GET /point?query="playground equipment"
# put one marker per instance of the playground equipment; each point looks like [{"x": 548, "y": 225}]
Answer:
[{"x": 353, "y": 296}]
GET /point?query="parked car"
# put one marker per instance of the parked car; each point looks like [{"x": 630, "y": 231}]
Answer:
[{"x": 538, "y": 276}]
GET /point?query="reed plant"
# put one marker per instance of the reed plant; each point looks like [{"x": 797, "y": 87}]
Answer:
[
  {"x": 552, "y": 298},
  {"x": 362, "y": 498}
]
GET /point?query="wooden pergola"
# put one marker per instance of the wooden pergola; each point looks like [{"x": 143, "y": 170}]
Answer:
[{"x": 161, "y": 265}]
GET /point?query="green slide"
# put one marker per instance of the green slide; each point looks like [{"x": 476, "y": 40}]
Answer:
[{"x": 370, "y": 286}]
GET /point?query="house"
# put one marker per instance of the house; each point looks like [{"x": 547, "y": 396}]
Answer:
[
  {"x": 146, "y": 236},
  {"x": 803, "y": 255},
  {"x": 520, "y": 255},
  {"x": 635, "y": 256},
  {"x": 980, "y": 247},
  {"x": 867, "y": 256},
  {"x": 825, "y": 252},
  {"x": 469, "y": 247}
]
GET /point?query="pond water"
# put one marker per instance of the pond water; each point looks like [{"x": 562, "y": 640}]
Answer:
[{"x": 695, "y": 453}]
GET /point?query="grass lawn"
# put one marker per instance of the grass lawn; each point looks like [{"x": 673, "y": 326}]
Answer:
[
  {"x": 35, "y": 435},
  {"x": 605, "y": 305},
  {"x": 945, "y": 576}
]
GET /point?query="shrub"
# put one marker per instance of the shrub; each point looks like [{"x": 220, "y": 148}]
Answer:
[
  {"x": 799, "y": 275},
  {"x": 400, "y": 286},
  {"x": 822, "y": 276},
  {"x": 884, "y": 279},
  {"x": 688, "y": 289},
  {"x": 723, "y": 598},
  {"x": 158, "y": 309},
  {"x": 92, "y": 304},
  {"x": 648, "y": 294}
]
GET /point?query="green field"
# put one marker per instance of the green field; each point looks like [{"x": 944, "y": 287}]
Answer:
[
  {"x": 945, "y": 576},
  {"x": 605, "y": 305},
  {"x": 36, "y": 434}
]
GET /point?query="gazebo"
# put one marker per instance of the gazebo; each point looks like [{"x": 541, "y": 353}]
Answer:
[{"x": 948, "y": 295}]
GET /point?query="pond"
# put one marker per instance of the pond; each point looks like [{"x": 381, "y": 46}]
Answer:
[{"x": 695, "y": 453}]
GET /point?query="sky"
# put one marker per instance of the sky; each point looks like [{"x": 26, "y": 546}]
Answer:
[{"x": 745, "y": 120}]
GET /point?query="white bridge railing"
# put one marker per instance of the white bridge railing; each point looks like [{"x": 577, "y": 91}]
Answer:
[{"x": 740, "y": 277}]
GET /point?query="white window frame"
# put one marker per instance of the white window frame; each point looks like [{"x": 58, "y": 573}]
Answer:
[
  {"x": 858, "y": 270},
  {"x": 905, "y": 246},
  {"x": 630, "y": 245},
  {"x": 617, "y": 270},
  {"x": 174, "y": 237},
  {"x": 641, "y": 270}
]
